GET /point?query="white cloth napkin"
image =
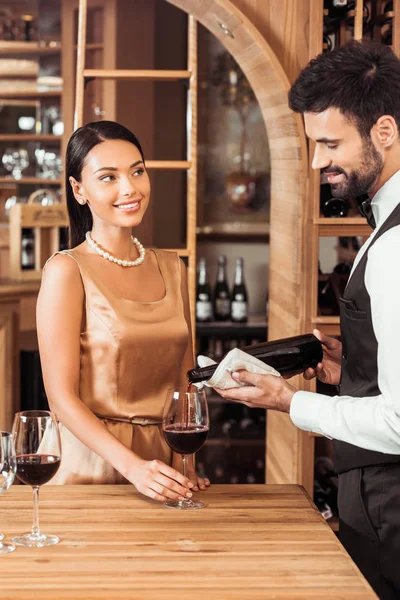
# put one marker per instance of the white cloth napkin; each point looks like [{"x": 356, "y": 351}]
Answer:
[{"x": 234, "y": 361}]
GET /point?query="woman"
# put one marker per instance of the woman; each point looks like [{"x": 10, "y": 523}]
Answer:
[{"x": 113, "y": 324}]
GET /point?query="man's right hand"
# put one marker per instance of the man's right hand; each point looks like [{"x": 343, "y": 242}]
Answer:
[
  {"x": 159, "y": 481},
  {"x": 327, "y": 371}
]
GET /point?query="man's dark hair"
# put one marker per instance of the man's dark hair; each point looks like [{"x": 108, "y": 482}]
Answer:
[{"x": 361, "y": 79}]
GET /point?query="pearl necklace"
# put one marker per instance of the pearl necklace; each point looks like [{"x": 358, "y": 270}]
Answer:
[{"x": 111, "y": 258}]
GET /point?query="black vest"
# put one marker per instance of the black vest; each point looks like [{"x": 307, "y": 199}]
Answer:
[{"x": 359, "y": 376}]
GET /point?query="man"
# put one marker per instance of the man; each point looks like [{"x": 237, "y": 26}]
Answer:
[{"x": 350, "y": 99}]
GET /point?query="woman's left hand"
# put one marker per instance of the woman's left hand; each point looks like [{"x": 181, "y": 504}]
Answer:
[{"x": 199, "y": 483}]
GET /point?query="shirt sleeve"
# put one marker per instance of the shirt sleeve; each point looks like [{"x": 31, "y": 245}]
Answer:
[{"x": 372, "y": 422}]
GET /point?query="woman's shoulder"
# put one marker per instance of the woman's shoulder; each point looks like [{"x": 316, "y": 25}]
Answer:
[{"x": 64, "y": 265}]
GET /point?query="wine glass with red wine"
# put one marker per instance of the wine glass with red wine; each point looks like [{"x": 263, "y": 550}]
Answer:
[
  {"x": 38, "y": 450},
  {"x": 185, "y": 426},
  {"x": 8, "y": 467}
]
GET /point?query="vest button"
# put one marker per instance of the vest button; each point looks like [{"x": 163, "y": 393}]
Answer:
[{"x": 344, "y": 355}]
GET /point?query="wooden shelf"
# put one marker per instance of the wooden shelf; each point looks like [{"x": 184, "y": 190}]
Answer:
[
  {"x": 29, "y": 137},
  {"x": 234, "y": 442},
  {"x": 255, "y": 326},
  {"x": 28, "y": 180},
  {"x": 26, "y": 48},
  {"x": 9, "y": 287},
  {"x": 92, "y": 47},
  {"x": 16, "y": 75},
  {"x": 326, "y": 221},
  {"x": 139, "y": 75},
  {"x": 326, "y": 320},
  {"x": 24, "y": 94},
  {"x": 235, "y": 229},
  {"x": 330, "y": 325},
  {"x": 339, "y": 226}
]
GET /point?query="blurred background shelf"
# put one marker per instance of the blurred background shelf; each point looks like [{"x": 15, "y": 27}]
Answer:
[
  {"x": 29, "y": 180},
  {"x": 30, "y": 94},
  {"x": 17, "y": 47},
  {"x": 256, "y": 326},
  {"x": 30, "y": 137}
]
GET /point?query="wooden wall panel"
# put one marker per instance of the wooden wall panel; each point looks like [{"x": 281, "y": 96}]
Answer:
[{"x": 9, "y": 363}]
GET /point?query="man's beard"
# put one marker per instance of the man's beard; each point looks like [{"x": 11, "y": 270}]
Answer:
[{"x": 360, "y": 181}]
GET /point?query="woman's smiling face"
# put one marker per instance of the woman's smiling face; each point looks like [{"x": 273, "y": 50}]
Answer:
[{"x": 114, "y": 183}]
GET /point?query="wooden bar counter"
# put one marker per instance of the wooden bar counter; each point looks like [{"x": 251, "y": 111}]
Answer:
[{"x": 252, "y": 542}]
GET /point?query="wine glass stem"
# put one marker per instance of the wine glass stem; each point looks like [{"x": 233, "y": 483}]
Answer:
[
  {"x": 184, "y": 464},
  {"x": 35, "y": 524}
]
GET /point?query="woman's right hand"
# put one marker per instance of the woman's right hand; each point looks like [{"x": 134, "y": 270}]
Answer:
[
  {"x": 327, "y": 371},
  {"x": 157, "y": 480}
]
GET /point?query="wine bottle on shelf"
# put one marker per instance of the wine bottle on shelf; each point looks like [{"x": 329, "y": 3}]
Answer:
[
  {"x": 239, "y": 298},
  {"x": 222, "y": 303},
  {"x": 27, "y": 249},
  {"x": 388, "y": 7},
  {"x": 203, "y": 295},
  {"x": 335, "y": 207},
  {"x": 290, "y": 356}
]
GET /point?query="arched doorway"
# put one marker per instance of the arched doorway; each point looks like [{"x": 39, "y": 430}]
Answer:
[
  {"x": 286, "y": 445},
  {"x": 287, "y": 147}
]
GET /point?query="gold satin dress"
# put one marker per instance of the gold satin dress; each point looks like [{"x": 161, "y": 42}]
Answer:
[{"x": 131, "y": 354}]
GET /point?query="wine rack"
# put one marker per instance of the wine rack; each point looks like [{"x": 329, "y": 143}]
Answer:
[{"x": 330, "y": 27}]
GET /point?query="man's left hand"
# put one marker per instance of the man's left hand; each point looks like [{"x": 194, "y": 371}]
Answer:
[{"x": 267, "y": 391}]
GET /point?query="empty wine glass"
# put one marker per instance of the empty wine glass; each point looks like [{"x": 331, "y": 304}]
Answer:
[
  {"x": 185, "y": 427},
  {"x": 38, "y": 451},
  {"x": 49, "y": 163},
  {"x": 11, "y": 201},
  {"x": 8, "y": 467},
  {"x": 15, "y": 160}
]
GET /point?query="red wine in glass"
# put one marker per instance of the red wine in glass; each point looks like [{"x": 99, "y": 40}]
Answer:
[
  {"x": 185, "y": 440},
  {"x": 37, "y": 469},
  {"x": 185, "y": 427},
  {"x": 38, "y": 452}
]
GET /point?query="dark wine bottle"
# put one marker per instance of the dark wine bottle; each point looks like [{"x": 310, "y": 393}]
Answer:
[
  {"x": 221, "y": 298},
  {"x": 335, "y": 207},
  {"x": 239, "y": 298},
  {"x": 388, "y": 7},
  {"x": 27, "y": 249},
  {"x": 290, "y": 356},
  {"x": 203, "y": 295}
]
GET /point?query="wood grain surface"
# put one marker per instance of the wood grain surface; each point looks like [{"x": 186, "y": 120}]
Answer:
[{"x": 251, "y": 542}]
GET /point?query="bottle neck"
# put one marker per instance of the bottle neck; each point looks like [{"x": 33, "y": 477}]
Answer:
[
  {"x": 221, "y": 273},
  {"x": 202, "y": 275},
  {"x": 239, "y": 274}
]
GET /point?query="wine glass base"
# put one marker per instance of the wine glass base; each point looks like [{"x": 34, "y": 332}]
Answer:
[
  {"x": 36, "y": 540},
  {"x": 185, "y": 504},
  {"x": 6, "y": 548}
]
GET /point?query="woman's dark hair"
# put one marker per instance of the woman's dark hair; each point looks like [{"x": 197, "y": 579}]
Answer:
[
  {"x": 361, "y": 79},
  {"x": 80, "y": 144}
]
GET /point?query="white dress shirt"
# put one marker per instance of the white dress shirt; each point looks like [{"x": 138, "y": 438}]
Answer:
[{"x": 372, "y": 422}]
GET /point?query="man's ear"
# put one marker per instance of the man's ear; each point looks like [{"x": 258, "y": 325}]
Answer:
[
  {"x": 77, "y": 190},
  {"x": 385, "y": 131}
]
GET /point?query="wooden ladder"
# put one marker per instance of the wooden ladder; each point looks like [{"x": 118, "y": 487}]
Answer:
[{"x": 190, "y": 164}]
